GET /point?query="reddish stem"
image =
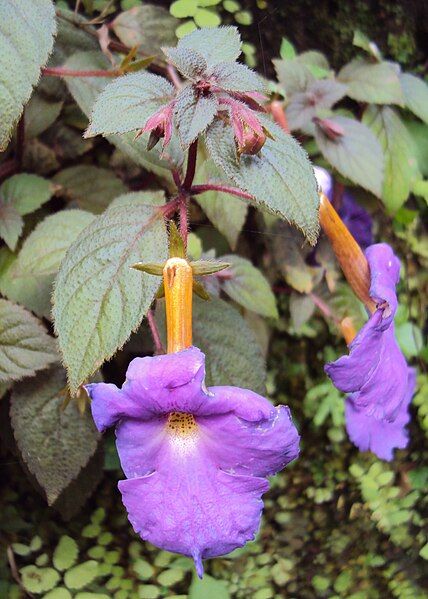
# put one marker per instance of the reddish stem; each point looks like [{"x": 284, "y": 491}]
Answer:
[
  {"x": 173, "y": 75},
  {"x": 323, "y": 307},
  {"x": 170, "y": 207},
  {"x": 191, "y": 166},
  {"x": 177, "y": 178},
  {"x": 159, "y": 349},
  {"x": 235, "y": 191},
  {"x": 64, "y": 72},
  {"x": 184, "y": 221}
]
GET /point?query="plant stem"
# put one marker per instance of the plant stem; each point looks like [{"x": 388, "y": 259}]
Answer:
[
  {"x": 323, "y": 307},
  {"x": 173, "y": 75},
  {"x": 159, "y": 349},
  {"x": 64, "y": 72},
  {"x": 184, "y": 222},
  {"x": 191, "y": 166},
  {"x": 235, "y": 191}
]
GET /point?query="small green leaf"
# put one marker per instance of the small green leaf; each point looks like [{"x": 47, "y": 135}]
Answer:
[
  {"x": 25, "y": 45},
  {"x": 415, "y": 92},
  {"x": 91, "y": 187},
  {"x": 25, "y": 346},
  {"x": 126, "y": 103},
  {"x": 55, "y": 443},
  {"x": 143, "y": 569},
  {"x": 410, "y": 339},
  {"x": 81, "y": 575},
  {"x": 183, "y": 8},
  {"x": 26, "y": 193},
  {"x": 208, "y": 588},
  {"x": 169, "y": 578},
  {"x": 185, "y": 28},
  {"x": 246, "y": 285},
  {"x": 11, "y": 224},
  {"x": 21, "y": 549},
  {"x": 38, "y": 580},
  {"x": 215, "y": 45},
  {"x": 360, "y": 40},
  {"x": 244, "y": 17},
  {"x": 377, "y": 83},
  {"x": 193, "y": 114},
  {"x": 95, "y": 319},
  {"x": 58, "y": 593},
  {"x": 357, "y": 154},
  {"x": 206, "y": 18},
  {"x": 65, "y": 554},
  {"x": 39, "y": 115},
  {"x": 301, "y": 309},
  {"x": 400, "y": 159},
  {"x": 280, "y": 176}
]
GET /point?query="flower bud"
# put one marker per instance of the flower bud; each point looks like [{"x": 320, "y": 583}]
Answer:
[
  {"x": 160, "y": 126},
  {"x": 251, "y": 142}
]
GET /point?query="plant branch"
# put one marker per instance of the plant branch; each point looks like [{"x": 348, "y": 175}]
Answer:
[
  {"x": 184, "y": 220},
  {"x": 64, "y": 72},
  {"x": 173, "y": 75},
  {"x": 191, "y": 166},
  {"x": 235, "y": 191},
  {"x": 159, "y": 349}
]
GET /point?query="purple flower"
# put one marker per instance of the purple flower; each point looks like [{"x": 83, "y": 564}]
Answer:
[
  {"x": 196, "y": 459},
  {"x": 355, "y": 217},
  {"x": 375, "y": 373}
]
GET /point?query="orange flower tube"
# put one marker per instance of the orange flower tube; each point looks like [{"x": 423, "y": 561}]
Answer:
[{"x": 178, "y": 284}]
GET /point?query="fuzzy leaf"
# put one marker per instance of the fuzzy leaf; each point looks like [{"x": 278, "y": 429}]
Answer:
[
  {"x": 304, "y": 106},
  {"x": 188, "y": 61},
  {"x": 293, "y": 75},
  {"x": 26, "y": 193},
  {"x": 65, "y": 554},
  {"x": 92, "y": 187},
  {"x": 236, "y": 77},
  {"x": 357, "y": 154},
  {"x": 400, "y": 159},
  {"x": 193, "y": 114},
  {"x": 28, "y": 278},
  {"x": 216, "y": 45},
  {"x": 246, "y": 285},
  {"x": 85, "y": 92},
  {"x": 99, "y": 300},
  {"x": 25, "y": 346},
  {"x": 415, "y": 92},
  {"x": 11, "y": 224},
  {"x": 126, "y": 103},
  {"x": 377, "y": 83},
  {"x": 280, "y": 176},
  {"x": 25, "y": 44},
  {"x": 39, "y": 115},
  {"x": 148, "y": 26},
  {"x": 55, "y": 443},
  {"x": 301, "y": 309},
  {"x": 81, "y": 575}
]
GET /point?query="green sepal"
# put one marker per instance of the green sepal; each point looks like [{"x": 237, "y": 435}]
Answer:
[
  {"x": 200, "y": 291},
  {"x": 160, "y": 293},
  {"x": 206, "y": 267},
  {"x": 176, "y": 243},
  {"x": 151, "y": 268}
]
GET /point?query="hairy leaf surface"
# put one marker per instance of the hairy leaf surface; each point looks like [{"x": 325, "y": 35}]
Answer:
[{"x": 374, "y": 82}]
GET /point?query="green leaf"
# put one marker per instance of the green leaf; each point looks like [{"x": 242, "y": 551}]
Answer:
[
  {"x": 360, "y": 40},
  {"x": 91, "y": 187},
  {"x": 126, "y": 103},
  {"x": 193, "y": 114},
  {"x": 415, "y": 92},
  {"x": 246, "y": 285},
  {"x": 25, "y": 44},
  {"x": 208, "y": 588},
  {"x": 148, "y": 26},
  {"x": 38, "y": 580},
  {"x": 183, "y": 8},
  {"x": 58, "y": 593},
  {"x": 304, "y": 106},
  {"x": 287, "y": 50},
  {"x": 237, "y": 77},
  {"x": 25, "y": 346},
  {"x": 55, "y": 443},
  {"x": 65, "y": 554},
  {"x": 81, "y": 575},
  {"x": 185, "y": 28},
  {"x": 377, "y": 83},
  {"x": 301, "y": 309},
  {"x": 400, "y": 159},
  {"x": 99, "y": 300},
  {"x": 85, "y": 92},
  {"x": 39, "y": 115},
  {"x": 27, "y": 279},
  {"x": 280, "y": 176},
  {"x": 26, "y": 193},
  {"x": 410, "y": 339},
  {"x": 11, "y": 224},
  {"x": 216, "y": 45},
  {"x": 207, "y": 18},
  {"x": 357, "y": 154},
  {"x": 293, "y": 75}
]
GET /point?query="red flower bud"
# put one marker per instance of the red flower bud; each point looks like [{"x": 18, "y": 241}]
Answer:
[
  {"x": 159, "y": 125},
  {"x": 330, "y": 128}
]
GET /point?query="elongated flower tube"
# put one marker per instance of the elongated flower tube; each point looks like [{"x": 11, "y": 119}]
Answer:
[
  {"x": 195, "y": 459},
  {"x": 375, "y": 375}
]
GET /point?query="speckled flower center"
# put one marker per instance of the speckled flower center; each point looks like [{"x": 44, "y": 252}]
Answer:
[{"x": 181, "y": 424}]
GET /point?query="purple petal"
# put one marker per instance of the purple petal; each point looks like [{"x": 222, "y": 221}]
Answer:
[
  {"x": 375, "y": 371},
  {"x": 109, "y": 405},
  {"x": 384, "y": 276},
  {"x": 357, "y": 219},
  {"x": 380, "y": 436},
  {"x": 189, "y": 506}
]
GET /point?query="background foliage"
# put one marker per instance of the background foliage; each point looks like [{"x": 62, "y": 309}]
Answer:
[{"x": 337, "y": 523}]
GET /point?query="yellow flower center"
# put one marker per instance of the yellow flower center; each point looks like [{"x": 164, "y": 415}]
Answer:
[{"x": 181, "y": 424}]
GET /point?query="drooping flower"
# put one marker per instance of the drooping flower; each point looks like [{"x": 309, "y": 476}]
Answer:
[
  {"x": 195, "y": 459},
  {"x": 355, "y": 217},
  {"x": 375, "y": 374},
  {"x": 160, "y": 126}
]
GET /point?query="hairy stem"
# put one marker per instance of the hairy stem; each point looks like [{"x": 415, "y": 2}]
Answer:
[
  {"x": 64, "y": 72},
  {"x": 235, "y": 191},
  {"x": 159, "y": 349},
  {"x": 191, "y": 166}
]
